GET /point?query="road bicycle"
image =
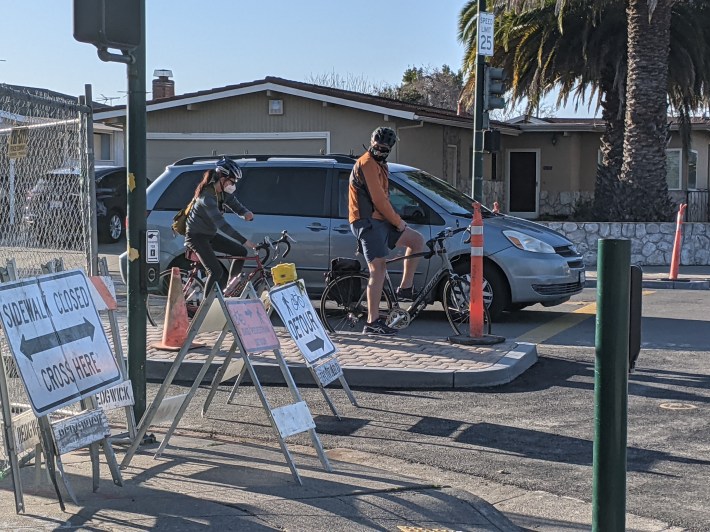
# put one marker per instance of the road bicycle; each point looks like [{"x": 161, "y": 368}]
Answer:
[
  {"x": 193, "y": 278},
  {"x": 343, "y": 305}
]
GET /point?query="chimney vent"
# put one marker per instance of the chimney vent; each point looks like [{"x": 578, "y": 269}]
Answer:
[{"x": 163, "y": 86}]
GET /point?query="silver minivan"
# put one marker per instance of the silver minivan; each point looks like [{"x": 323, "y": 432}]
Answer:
[{"x": 524, "y": 262}]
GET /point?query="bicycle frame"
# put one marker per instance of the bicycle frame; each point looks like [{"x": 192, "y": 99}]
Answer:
[{"x": 419, "y": 302}]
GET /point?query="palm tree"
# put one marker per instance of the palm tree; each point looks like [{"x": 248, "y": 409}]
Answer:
[{"x": 574, "y": 46}]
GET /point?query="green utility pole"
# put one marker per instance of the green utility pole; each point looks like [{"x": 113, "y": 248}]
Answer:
[
  {"x": 477, "y": 185},
  {"x": 137, "y": 170},
  {"x": 611, "y": 386}
]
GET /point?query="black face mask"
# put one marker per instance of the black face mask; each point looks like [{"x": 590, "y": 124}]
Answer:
[{"x": 379, "y": 155}]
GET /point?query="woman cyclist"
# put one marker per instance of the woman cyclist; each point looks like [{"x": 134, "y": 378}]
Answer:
[{"x": 212, "y": 195}]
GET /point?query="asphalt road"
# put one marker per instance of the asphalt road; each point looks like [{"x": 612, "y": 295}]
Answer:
[{"x": 537, "y": 433}]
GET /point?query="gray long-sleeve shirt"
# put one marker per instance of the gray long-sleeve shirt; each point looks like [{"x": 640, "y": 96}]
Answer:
[{"x": 206, "y": 218}]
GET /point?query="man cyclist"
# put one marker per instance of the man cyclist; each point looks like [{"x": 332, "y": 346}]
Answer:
[
  {"x": 378, "y": 227},
  {"x": 212, "y": 195}
]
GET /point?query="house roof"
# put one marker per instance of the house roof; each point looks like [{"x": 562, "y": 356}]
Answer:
[
  {"x": 367, "y": 102},
  {"x": 588, "y": 124}
]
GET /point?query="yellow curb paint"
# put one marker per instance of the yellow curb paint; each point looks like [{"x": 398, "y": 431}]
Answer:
[
  {"x": 133, "y": 254},
  {"x": 131, "y": 181}
]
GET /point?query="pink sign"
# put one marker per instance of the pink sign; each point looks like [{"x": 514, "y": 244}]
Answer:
[{"x": 253, "y": 325}]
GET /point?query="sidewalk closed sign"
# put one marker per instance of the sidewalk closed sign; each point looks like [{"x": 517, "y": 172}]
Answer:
[{"x": 57, "y": 339}]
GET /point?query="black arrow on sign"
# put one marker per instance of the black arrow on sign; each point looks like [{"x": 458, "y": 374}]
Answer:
[
  {"x": 32, "y": 346},
  {"x": 315, "y": 344}
]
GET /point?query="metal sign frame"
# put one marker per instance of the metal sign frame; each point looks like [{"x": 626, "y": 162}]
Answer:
[
  {"x": 305, "y": 327},
  {"x": 287, "y": 420}
]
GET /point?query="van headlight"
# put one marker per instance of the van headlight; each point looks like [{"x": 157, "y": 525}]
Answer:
[{"x": 527, "y": 242}]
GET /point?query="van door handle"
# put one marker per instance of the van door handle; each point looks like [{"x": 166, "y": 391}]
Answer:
[
  {"x": 317, "y": 227},
  {"x": 342, "y": 229}
]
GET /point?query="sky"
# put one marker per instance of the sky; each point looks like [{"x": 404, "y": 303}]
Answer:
[{"x": 213, "y": 43}]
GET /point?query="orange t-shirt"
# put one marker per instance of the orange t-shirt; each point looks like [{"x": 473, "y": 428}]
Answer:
[{"x": 375, "y": 176}]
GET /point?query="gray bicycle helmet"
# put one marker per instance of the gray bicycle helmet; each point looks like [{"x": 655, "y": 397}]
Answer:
[
  {"x": 228, "y": 168},
  {"x": 385, "y": 136}
]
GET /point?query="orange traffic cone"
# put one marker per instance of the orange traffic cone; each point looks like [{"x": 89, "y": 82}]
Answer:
[{"x": 176, "y": 321}]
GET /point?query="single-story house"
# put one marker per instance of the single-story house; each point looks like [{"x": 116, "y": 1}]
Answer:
[{"x": 543, "y": 167}]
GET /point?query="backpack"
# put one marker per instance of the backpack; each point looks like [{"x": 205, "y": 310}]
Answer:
[
  {"x": 179, "y": 224},
  {"x": 341, "y": 266}
]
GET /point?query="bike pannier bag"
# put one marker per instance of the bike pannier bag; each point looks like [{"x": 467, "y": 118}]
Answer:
[{"x": 339, "y": 267}]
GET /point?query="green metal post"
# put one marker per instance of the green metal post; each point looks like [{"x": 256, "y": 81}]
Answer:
[
  {"x": 477, "y": 185},
  {"x": 610, "y": 386},
  {"x": 137, "y": 170}
]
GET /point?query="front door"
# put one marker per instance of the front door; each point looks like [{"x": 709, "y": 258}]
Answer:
[{"x": 523, "y": 183}]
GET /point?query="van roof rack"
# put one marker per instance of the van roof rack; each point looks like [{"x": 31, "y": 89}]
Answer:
[{"x": 337, "y": 157}]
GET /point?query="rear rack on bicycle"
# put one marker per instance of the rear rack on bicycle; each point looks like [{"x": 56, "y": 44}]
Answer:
[{"x": 336, "y": 157}]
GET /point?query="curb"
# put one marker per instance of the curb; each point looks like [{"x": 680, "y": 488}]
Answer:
[
  {"x": 660, "y": 284},
  {"x": 509, "y": 367}
]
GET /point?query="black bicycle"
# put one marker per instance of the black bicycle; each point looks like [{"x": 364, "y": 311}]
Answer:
[{"x": 343, "y": 306}]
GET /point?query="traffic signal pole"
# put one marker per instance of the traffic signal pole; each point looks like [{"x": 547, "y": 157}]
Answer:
[
  {"x": 137, "y": 170},
  {"x": 478, "y": 121}
]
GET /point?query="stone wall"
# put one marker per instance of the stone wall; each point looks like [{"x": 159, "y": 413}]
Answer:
[
  {"x": 561, "y": 203},
  {"x": 651, "y": 243}
]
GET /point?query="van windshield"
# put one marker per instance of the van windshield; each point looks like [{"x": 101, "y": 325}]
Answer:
[{"x": 440, "y": 192}]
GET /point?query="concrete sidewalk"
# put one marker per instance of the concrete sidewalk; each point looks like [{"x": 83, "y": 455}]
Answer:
[
  {"x": 210, "y": 484},
  {"x": 657, "y": 277}
]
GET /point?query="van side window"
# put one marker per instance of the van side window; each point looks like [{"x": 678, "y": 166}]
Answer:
[
  {"x": 179, "y": 192},
  {"x": 343, "y": 184},
  {"x": 285, "y": 191},
  {"x": 406, "y": 205}
]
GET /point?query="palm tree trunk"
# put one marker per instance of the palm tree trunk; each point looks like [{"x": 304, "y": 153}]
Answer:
[
  {"x": 644, "y": 168},
  {"x": 612, "y": 148}
]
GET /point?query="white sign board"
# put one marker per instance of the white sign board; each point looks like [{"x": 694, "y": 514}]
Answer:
[
  {"x": 26, "y": 432},
  {"x": 329, "y": 371},
  {"x": 295, "y": 309},
  {"x": 116, "y": 396},
  {"x": 485, "y": 33},
  {"x": 57, "y": 339},
  {"x": 152, "y": 246},
  {"x": 81, "y": 430}
]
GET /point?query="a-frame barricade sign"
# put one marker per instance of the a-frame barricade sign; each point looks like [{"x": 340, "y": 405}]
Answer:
[
  {"x": 253, "y": 333},
  {"x": 62, "y": 355},
  {"x": 305, "y": 327}
]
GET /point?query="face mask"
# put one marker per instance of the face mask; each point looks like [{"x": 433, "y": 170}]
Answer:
[
  {"x": 379, "y": 155},
  {"x": 229, "y": 189}
]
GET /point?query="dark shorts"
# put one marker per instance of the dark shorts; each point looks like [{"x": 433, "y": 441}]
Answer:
[{"x": 375, "y": 237}]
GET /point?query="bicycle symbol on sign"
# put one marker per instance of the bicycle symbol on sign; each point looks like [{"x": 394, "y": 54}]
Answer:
[{"x": 297, "y": 301}]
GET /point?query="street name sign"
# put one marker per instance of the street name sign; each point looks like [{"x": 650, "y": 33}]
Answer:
[
  {"x": 26, "y": 432},
  {"x": 57, "y": 339},
  {"x": 116, "y": 396},
  {"x": 295, "y": 309},
  {"x": 81, "y": 430}
]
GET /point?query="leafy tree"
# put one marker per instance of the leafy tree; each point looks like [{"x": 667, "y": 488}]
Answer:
[{"x": 576, "y": 45}]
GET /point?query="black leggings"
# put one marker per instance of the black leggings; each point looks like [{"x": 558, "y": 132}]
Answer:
[{"x": 205, "y": 248}]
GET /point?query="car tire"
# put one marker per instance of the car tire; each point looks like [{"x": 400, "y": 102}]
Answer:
[
  {"x": 496, "y": 293},
  {"x": 113, "y": 227}
]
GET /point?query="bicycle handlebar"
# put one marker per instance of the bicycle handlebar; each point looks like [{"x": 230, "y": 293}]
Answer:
[
  {"x": 443, "y": 235},
  {"x": 272, "y": 247}
]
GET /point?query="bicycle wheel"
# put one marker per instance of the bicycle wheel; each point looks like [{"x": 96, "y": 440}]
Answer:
[
  {"x": 343, "y": 306},
  {"x": 158, "y": 299},
  {"x": 457, "y": 297}
]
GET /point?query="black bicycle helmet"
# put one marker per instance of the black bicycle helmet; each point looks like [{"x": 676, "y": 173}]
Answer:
[
  {"x": 227, "y": 167},
  {"x": 385, "y": 136}
]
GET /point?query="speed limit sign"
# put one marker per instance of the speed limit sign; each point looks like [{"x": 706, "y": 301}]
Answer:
[{"x": 485, "y": 33}]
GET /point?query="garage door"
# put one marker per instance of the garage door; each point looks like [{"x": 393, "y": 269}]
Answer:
[{"x": 164, "y": 152}]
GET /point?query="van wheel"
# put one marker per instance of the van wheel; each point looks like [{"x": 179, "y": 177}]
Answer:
[{"x": 495, "y": 287}]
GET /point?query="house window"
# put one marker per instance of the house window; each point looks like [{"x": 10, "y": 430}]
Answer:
[
  {"x": 102, "y": 146},
  {"x": 692, "y": 170},
  {"x": 674, "y": 169}
]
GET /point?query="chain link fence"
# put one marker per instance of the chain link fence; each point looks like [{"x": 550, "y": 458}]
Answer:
[{"x": 45, "y": 200}]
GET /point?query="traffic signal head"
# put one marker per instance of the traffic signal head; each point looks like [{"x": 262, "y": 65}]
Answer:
[
  {"x": 108, "y": 23},
  {"x": 494, "y": 89}
]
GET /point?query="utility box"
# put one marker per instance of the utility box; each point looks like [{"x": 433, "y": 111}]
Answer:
[
  {"x": 108, "y": 23},
  {"x": 491, "y": 140}
]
